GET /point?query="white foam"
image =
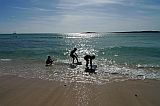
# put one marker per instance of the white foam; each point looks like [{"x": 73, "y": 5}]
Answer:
[
  {"x": 61, "y": 71},
  {"x": 5, "y": 59}
]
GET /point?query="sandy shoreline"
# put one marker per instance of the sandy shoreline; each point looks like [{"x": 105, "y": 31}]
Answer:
[{"x": 15, "y": 91}]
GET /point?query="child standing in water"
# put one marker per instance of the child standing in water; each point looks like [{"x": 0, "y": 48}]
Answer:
[
  {"x": 88, "y": 59},
  {"x": 74, "y": 55}
]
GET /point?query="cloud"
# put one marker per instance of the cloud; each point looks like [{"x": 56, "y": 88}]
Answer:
[
  {"x": 70, "y": 4},
  {"x": 88, "y": 15},
  {"x": 140, "y": 4},
  {"x": 91, "y": 2},
  {"x": 35, "y": 9}
]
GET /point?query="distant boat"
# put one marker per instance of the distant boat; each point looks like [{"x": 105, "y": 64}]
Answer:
[
  {"x": 88, "y": 32},
  {"x": 14, "y": 33}
]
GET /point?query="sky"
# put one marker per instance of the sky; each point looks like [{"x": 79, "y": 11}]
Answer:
[{"x": 35, "y": 16}]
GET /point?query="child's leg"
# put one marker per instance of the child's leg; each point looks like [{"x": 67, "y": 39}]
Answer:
[
  {"x": 91, "y": 63},
  {"x": 76, "y": 59},
  {"x": 87, "y": 63},
  {"x": 73, "y": 60}
]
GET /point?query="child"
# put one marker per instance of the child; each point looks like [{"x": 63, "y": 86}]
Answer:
[
  {"x": 49, "y": 61},
  {"x": 89, "y": 58},
  {"x": 74, "y": 55}
]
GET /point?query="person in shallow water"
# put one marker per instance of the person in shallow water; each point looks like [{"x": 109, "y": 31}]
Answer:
[
  {"x": 88, "y": 59},
  {"x": 49, "y": 61},
  {"x": 74, "y": 55}
]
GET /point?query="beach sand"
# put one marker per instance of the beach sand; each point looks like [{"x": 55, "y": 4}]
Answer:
[{"x": 16, "y": 91}]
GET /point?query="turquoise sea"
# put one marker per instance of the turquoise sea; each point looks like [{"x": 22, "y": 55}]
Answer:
[{"x": 137, "y": 54}]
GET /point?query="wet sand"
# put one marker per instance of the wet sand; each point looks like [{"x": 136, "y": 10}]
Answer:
[{"x": 15, "y": 91}]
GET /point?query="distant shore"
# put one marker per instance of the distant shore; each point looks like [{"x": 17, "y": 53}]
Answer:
[
  {"x": 125, "y": 32},
  {"x": 82, "y": 32},
  {"x": 139, "y": 32}
]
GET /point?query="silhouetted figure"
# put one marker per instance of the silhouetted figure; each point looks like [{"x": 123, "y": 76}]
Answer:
[
  {"x": 74, "y": 55},
  {"x": 89, "y": 58},
  {"x": 49, "y": 61}
]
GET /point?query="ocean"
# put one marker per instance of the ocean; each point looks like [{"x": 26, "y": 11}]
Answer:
[{"x": 119, "y": 56}]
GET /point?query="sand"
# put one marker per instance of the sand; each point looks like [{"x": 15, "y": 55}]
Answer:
[{"x": 16, "y": 91}]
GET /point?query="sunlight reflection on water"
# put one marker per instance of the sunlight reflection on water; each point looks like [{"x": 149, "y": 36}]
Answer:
[{"x": 116, "y": 60}]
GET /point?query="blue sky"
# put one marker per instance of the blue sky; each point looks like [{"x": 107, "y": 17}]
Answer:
[{"x": 78, "y": 15}]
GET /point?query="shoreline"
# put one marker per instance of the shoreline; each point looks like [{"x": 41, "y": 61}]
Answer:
[
  {"x": 61, "y": 71},
  {"x": 16, "y": 91},
  {"x": 87, "y": 32}
]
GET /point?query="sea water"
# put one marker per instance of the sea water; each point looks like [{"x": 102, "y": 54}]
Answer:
[{"x": 119, "y": 56}]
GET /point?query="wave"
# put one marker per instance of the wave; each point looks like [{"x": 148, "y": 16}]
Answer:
[
  {"x": 5, "y": 59},
  {"x": 136, "y": 55},
  {"x": 133, "y": 49},
  {"x": 62, "y": 71},
  {"x": 148, "y": 66}
]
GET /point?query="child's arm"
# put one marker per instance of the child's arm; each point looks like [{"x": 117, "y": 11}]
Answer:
[{"x": 76, "y": 54}]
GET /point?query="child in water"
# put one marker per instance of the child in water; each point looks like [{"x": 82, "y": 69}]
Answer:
[
  {"x": 49, "y": 61},
  {"x": 88, "y": 59},
  {"x": 74, "y": 55}
]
